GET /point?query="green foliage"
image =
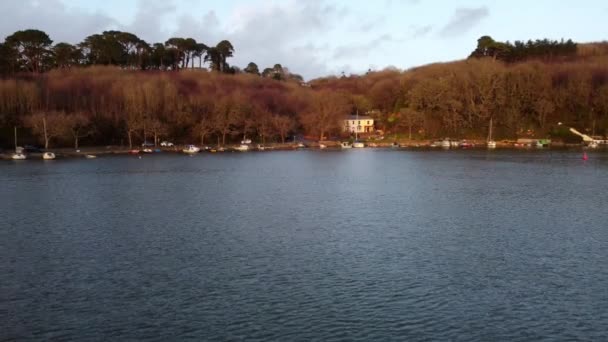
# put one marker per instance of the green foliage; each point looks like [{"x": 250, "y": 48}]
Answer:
[{"x": 519, "y": 51}]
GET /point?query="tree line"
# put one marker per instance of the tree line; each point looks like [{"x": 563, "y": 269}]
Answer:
[
  {"x": 33, "y": 51},
  {"x": 111, "y": 105},
  {"x": 545, "y": 49}
]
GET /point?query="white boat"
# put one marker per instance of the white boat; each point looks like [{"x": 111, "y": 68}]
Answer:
[
  {"x": 346, "y": 144},
  {"x": 322, "y": 146},
  {"x": 445, "y": 143},
  {"x": 261, "y": 147},
  {"x": 19, "y": 151},
  {"x": 191, "y": 149},
  {"x": 454, "y": 143},
  {"x": 593, "y": 144},
  {"x": 491, "y": 143},
  {"x": 242, "y": 148},
  {"x": 90, "y": 156},
  {"x": 18, "y": 156},
  {"x": 48, "y": 156},
  {"x": 147, "y": 150},
  {"x": 358, "y": 144}
]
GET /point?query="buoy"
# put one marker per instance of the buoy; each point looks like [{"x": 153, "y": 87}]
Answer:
[{"x": 585, "y": 157}]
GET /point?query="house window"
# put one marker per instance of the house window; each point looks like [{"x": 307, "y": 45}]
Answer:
[{"x": 369, "y": 122}]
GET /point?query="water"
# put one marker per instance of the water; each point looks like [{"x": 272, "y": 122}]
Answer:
[{"x": 311, "y": 245}]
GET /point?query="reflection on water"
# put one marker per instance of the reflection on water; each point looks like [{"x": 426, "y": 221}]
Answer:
[{"x": 307, "y": 245}]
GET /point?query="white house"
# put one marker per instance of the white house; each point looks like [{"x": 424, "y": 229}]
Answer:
[{"x": 360, "y": 124}]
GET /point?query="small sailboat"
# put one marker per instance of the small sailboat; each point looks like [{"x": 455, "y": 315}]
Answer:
[
  {"x": 191, "y": 149},
  {"x": 346, "y": 144},
  {"x": 491, "y": 143},
  {"x": 48, "y": 156},
  {"x": 242, "y": 148},
  {"x": 322, "y": 146},
  {"x": 18, "y": 155},
  {"x": 593, "y": 144},
  {"x": 90, "y": 156},
  {"x": 445, "y": 143}
]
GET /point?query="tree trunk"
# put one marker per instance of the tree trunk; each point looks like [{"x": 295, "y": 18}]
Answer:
[
  {"x": 282, "y": 138},
  {"x": 223, "y": 138},
  {"x": 202, "y": 139},
  {"x": 130, "y": 141},
  {"x": 155, "y": 139},
  {"x": 76, "y": 141},
  {"x": 410, "y": 136}
]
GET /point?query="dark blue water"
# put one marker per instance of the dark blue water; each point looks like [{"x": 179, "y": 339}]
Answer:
[{"x": 298, "y": 246}]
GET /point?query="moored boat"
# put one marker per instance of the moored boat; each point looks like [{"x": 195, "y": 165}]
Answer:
[
  {"x": 358, "y": 144},
  {"x": 465, "y": 144},
  {"x": 48, "y": 156},
  {"x": 242, "y": 148},
  {"x": 346, "y": 144},
  {"x": 18, "y": 156},
  {"x": 322, "y": 146},
  {"x": 490, "y": 143},
  {"x": 190, "y": 149},
  {"x": 446, "y": 143},
  {"x": 90, "y": 156}
]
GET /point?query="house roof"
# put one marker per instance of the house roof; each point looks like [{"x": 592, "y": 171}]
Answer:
[{"x": 361, "y": 117}]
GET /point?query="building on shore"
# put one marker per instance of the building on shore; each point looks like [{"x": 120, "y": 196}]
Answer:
[{"x": 358, "y": 124}]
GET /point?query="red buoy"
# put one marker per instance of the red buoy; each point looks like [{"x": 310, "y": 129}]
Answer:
[{"x": 585, "y": 156}]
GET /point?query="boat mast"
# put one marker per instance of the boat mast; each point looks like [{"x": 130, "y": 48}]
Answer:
[
  {"x": 15, "y": 138},
  {"x": 490, "y": 131}
]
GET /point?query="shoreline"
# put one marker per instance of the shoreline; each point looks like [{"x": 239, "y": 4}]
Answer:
[{"x": 70, "y": 153}]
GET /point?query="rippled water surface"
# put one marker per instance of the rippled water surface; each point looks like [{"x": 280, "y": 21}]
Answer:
[{"x": 309, "y": 245}]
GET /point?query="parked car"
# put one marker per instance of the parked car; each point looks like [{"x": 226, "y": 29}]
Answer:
[{"x": 166, "y": 144}]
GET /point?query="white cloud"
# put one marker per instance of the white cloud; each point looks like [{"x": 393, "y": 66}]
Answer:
[{"x": 463, "y": 20}]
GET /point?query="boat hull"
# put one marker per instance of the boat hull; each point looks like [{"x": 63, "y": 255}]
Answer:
[{"x": 48, "y": 156}]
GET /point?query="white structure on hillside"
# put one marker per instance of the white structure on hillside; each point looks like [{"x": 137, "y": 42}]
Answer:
[{"x": 358, "y": 124}]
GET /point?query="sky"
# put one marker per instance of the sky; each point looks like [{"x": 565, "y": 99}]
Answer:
[{"x": 317, "y": 38}]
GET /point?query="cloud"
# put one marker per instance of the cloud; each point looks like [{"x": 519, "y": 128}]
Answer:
[
  {"x": 420, "y": 31},
  {"x": 53, "y": 17},
  {"x": 358, "y": 50},
  {"x": 463, "y": 20},
  {"x": 149, "y": 19},
  {"x": 270, "y": 33}
]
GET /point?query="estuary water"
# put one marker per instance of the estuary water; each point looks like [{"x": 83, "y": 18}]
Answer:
[{"x": 359, "y": 245}]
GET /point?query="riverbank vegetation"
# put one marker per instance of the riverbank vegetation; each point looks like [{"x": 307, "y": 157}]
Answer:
[{"x": 114, "y": 89}]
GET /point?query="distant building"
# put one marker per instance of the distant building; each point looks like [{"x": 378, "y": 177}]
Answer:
[{"x": 361, "y": 124}]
